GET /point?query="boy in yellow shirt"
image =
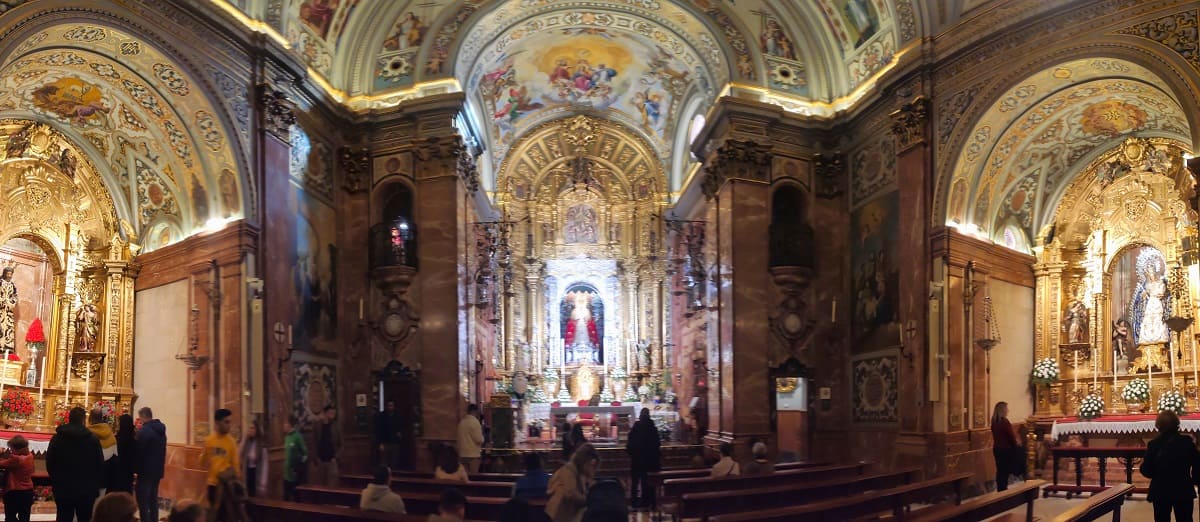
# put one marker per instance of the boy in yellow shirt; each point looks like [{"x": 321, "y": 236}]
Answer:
[{"x": 220, "y": 452}]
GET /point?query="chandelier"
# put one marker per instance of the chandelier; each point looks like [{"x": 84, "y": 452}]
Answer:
[{"x": 991, "y": 336}]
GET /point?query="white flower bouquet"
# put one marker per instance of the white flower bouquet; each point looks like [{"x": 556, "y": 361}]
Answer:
[
  {"x": 1137, "y": 390},
  {"x": 1045, "y": 371},
  {"x": 1091, "y": 407},
  {"x": 1172, "y": 400}
]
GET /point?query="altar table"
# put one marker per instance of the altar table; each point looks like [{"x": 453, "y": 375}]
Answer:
[
  {"x": 1117, "y": 424},
  {"x": 38, "y": 442}
]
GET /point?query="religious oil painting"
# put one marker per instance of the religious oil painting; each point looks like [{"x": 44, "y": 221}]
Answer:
[
  {"x": 1141, "y": 303},
  {"x": 875, "y": 392},
  {"x": 581, "y": 225},
  {"x": 876, "y": 276},
  {"x": 314, "y": 274},
  {"x": 72, "y": 99},
  {"x": 318, "y": 15},
  {"x": 315, "y": 388},
  {"x": 585, "y": 67},
  {"x": 582, "y": 320},
  {"x": 861, "y": 19}
]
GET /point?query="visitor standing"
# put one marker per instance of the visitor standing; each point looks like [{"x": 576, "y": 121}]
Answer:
[
  {"x": 329, "y": 443},
  {"x": 151, "y": 458},
  {"x": 645, "y": 455},
  {"x": 387, "y": 434},
  {"x": 18, "y": 495},
  {"x": 220, "y": 453},
  {"x": 295, "y": 458},
  {"x": 122, "y": 477},
  {"x": 470, "y": 439},
  {"x": 1006, "y": 449},
  {"x": 100, "y": 427},
  {"x": 1173, "y": 466},
  {"x": 253, "y": 454},
  {"x": 75, "y": 463},
  {"x": 569, "y": 486}
]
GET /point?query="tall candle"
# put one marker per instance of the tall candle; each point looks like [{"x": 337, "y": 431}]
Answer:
[
  {"x": 289, "y": 336},
  {"x": 360, "y": 309},
  {"x": 1171, "y": 359},
  {"x": 1195, "y": 367},
  {"x": 1095, "y": 372},
  {"x": 87, "y": 388},
  {"x": 42, "y": 384},
  {"x": 833, "y": 313},
  {"x": 4, "y": 373},
  {"x": 67, "y": 397}
]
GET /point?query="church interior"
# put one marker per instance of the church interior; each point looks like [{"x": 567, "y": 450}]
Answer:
[{"x": 845, "y": 229}]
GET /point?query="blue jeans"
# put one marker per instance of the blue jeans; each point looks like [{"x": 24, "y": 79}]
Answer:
[{"x": 147, "y": 498}]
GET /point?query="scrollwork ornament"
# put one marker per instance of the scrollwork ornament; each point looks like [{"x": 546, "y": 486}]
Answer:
[
  {"x": 356, "y": 168},
  {"x": 909, "y": 123},
  {"x": 736, "y": 159},
  {"x": 448, "y": 152},
  {"x": 830, "y": 174},
  {"x": 277, "y": 114}
]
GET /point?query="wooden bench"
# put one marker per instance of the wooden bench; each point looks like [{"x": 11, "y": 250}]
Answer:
[
  {"x": 984, "y": 506},
  {"x": 705, "y": 505},
  {"x": 656, "y": 478},
  {"x": 674, "y": 489},
  {"x": 894, "y": 500},
  {"x": 428, "y": 485},
  {"x": 481, "y": 477},
  {"x": 478, "y": 508},
  {"x": 267, "y": 510},
  {"x": 1100, "y": 504}
]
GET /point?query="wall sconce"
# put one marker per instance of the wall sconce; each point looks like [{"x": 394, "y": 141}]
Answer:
[
  {"x": 192, "y": 359},
  {"x": 283, "y": 335}
]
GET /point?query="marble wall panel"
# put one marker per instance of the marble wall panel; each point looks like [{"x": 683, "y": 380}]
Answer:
[{"x": 160, "y": 325}]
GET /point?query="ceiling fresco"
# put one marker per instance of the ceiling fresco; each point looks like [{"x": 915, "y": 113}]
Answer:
[
  {"x": 155, "y": 135},
  {"x": 1042, "y": 131}
]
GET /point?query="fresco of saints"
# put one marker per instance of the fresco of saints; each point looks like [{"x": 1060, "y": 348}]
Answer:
[
  {"x": 318, "y": 14},
  {"x": 858, "y": 12},
  {"x": 1151, "y": 302}
]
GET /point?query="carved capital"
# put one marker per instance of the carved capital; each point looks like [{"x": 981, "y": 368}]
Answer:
[
  {"x": 909, "y": 123},
  {"x": 830, "y": 174},
  {"x": 736, "y": 159},
  {"x": 356, "y": 168},
  {"x": 444, "y": 155},
  {"x": 277, "y": 114}
]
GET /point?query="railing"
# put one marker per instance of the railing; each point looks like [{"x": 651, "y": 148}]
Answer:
[
  {"x": 1125, "y": 455},
  {"x": 391, "y": 246}
]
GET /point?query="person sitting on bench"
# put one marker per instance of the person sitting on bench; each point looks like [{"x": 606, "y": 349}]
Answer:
[
  {"x": 726, "y": 467},
  {"x": 378, "y": 496}
]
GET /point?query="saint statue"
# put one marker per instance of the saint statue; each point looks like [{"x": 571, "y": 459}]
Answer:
[
  {"x": 87, "y": 327},
  {"x": 1076, "y": 322},
  {"x": 643, "y": 354},
  {"x": 8, "y": 311},
  {"x": 1151, "y": 303},
  {"x": 1121, "y": 345}
]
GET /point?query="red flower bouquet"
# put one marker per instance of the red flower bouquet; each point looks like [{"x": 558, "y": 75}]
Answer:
[
  {"x": 35, "y": 334},
  {"x": 108, "y": 410},
  {"x": 17, "y": 403},
  {"x": 62, "y": 417}
]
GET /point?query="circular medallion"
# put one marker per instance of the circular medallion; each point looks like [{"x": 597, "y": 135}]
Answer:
[
  {"x": 394, "y": 325},
  {"x": 792, "y": 323}
]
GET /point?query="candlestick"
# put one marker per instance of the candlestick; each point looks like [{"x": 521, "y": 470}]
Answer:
[
  {"x": 87, "y": 388},
  {"x": 900, "y": 333},
  {"x": 1075, "y": 371},
  {"x": 360, "y": 309},
  {"x": 42, "y": 384},
  {"x": 1171, "y": 359},
  {"x": 1095, "y": 371},
  {"x": 290, "y": 336},
  {"x": 833, "y": 313}
]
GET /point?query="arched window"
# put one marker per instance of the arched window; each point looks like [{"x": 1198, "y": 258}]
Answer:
[
  {"x": 791, "y": 236},
  {"x": 394, "y": 238}
]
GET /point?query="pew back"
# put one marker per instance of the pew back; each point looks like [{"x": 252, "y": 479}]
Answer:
[
  {"x": 428, "y": 485},
  {"x": 984, "y": 506},
  {"x": 894, "y": 500},
  {"x": 1100, "y": 504},
  {"x": 674, "y": 488},
  {"x": 704, "y": 505},
  {"x": 267, "y": 510},
  {"x": 478, "y": 508}
]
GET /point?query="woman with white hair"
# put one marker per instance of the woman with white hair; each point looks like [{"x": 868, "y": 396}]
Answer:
[{"x": 761, "y": 465}]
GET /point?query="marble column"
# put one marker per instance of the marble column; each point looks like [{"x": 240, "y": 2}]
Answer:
[
  {"x": 445, "y": 177},
  {"x": 736, "y": 183}
]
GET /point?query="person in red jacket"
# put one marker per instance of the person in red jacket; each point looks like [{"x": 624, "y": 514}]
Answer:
[
  {"x": 18, "y": 498},
  {"x": 1006, "y": 448}
]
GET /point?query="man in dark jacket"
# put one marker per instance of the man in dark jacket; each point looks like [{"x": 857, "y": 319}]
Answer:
[
  {"x": 1172, "y": 464},
  {"x": 644, "y": 456},
  {"x": 151, "y": 459},
  {"x": 387, "y": 434},
  {"x": 75, "y": 463}
]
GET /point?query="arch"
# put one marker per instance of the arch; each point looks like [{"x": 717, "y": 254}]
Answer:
[
  {"x": 1037, "y": 136},
  {"x": 152, "y": 98},
  {"x": 1130, "y": 58}
]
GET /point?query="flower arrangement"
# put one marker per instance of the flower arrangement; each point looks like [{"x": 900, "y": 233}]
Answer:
[
  {"x": 35, "y": 337},
  {"x": 17, "y": 403},
  {"x": 1045, "y": 371},
  {"x": 1091, "y": 407},
  {"x": 108, "y": 410},
  {"x": 61, "y": 417},
  {"x": 1172, "y": 400},
  {"x": 45, "y": 493},
  {"x": 1138, "y": 390}
]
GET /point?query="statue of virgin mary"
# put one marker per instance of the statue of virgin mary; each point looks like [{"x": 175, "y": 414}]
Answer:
[{"x": 1151, "y": 302}]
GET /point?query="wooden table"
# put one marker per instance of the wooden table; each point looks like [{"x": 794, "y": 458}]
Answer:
[{"x": 1125, "y": 455}]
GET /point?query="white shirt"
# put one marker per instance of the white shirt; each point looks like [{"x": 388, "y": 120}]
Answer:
[{"x": 470, "y": 437}]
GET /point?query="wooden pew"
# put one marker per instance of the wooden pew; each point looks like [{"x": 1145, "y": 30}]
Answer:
[
  {"x": 1100, "y": 504},
  {"x": 673, "y": 489},
  {"x": 478, "y": 508},
  {"x": 895, "y": 500},
  {"x": 656, "y": 478},
  {"x": 267, "y": 510},
  {"x": 705, "y": 505},
  {"x": 428, "y": 485},
  {"x": 984, "y": 506},
  {"x": 482, "y": 477}
]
